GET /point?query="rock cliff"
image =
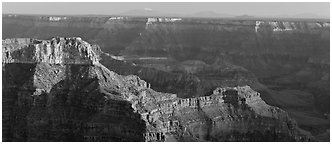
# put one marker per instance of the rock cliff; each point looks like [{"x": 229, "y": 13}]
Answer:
[
  {"x": 55, "y": 51},
  {"x": 185, "y": 85},
  {"x": 56, "y": 90}
]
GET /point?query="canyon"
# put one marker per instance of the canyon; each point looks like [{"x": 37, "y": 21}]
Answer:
[
  {"x": 56, "y": 90},
  {"x": 285, "y": 60}
]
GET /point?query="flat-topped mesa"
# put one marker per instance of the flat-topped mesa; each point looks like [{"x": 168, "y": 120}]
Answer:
[
  {"x": 55, "y": 18},
  {"x": 58, "y": 50},
  {"x": 160, "y": 20},
  {"x": 280, "y": 26}
]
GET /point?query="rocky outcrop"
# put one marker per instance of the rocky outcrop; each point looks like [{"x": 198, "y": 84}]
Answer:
[
  {"x": 56, "y": 18},
  {"x": 279, "y": 26},
  {"x": 117, "y": 18},
  {"x": 77, "y": 101},
  {"x": 160, "y": 20},
  {"x": 55, "y": 51},
  {"x": 230, "y": 114}
]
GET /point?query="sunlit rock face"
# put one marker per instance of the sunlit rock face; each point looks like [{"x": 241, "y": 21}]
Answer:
[
  {"x": 153, "y": 20},
  {"x": 56, "y": 18},
  {"x": 230, "y": 114},
  {"x": 280, "y": 26},
  {"x": 79, "y": 99},
  {"x": 65, "y": 101},
  {"x": 55, "y": 51}
]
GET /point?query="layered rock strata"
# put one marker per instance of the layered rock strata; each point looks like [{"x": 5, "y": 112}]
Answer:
[{"x": 56, "y": 90}]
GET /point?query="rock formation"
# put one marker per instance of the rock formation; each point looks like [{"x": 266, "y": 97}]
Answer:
[
  {"x": 56, "y": 90},
  {"x": 55, "y": 51},
  {"x": 280, "y": 26},
  {"x": 160, "y": 20}
]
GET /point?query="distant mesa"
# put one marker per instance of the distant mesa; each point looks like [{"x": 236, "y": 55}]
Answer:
[
  {"x": 245, "y": 16},
  {"x": 210, "y": 14}
]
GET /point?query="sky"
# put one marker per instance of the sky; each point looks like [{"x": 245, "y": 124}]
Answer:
[{"x": 235, "y": 8}]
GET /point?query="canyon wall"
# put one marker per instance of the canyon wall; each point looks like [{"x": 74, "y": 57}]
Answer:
[{"x": 85, "y": 101}]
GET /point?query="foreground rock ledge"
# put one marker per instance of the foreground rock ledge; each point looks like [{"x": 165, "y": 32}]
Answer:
[{"x": 56, "y": 90}]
